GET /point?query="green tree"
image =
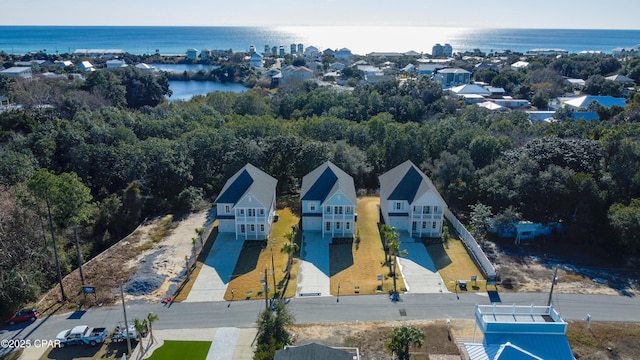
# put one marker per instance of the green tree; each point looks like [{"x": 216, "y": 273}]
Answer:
[
  {"x": 151, "y": 318},
  {"x": 43, "y": 188},
  {"x": 272, "y": 330},
  {"x": 480, "y": 213},
  {"x": 402, "y": 339},
  {"x": 141, "y": 328},
  {"x": 625, "y": 221},
  {"x": 289, "y": 248}
]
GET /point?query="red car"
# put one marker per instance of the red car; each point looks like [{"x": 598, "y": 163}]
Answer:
[{"x": 24, "y": 315}]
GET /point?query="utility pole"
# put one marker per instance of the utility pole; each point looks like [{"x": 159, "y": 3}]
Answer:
[
  {"x": 553, "y": 283},
  {"x": 273, "y": 273},
  {"x": 126, "y": 324},
  {"x": 266, "y": 289}
]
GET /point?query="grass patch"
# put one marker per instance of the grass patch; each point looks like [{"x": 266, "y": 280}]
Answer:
[
  {"x": 604, "y": 340},
  {"x": 454, "y": 263},
  {"x": 173, "y": 349},
  {"x": 358, "y": 264},
  {"x": 163, "y": 229},
  {"x": 256, "y": 255}
]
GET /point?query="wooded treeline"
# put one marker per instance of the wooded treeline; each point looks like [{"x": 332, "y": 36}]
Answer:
[{"x": 135, "y": 156}]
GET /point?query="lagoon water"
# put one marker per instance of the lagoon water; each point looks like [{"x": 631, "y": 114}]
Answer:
[
  {"x": 185, "y": 90},
  {"x": 168, "y": 40}
]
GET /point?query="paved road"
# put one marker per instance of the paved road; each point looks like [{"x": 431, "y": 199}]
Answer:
[{"x": 242, "y": 314}]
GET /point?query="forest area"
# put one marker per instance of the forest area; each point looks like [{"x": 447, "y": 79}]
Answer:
[{"x": 83, "y": 163}]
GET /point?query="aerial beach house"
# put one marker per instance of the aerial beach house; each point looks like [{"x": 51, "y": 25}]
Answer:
[
  {"x": 329, "y": 201},
  {"x": 246, "y": 205},
  {"x": 410, "y": 202}
]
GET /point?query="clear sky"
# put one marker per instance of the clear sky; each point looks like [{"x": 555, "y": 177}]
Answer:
[{"x": 575, "y": 14}]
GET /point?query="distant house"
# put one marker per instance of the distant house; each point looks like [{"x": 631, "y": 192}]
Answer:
[
  {"x": 116, "y": 63},
  {"x": 206, "y": 54},
  {"x": 582, "y": 102},
  {"x": 255, "y": 61},
  {"x": 429, "y": 69},
  {"x": 489, "y": 105},
  {"x": 519, "y": 65},
  {"x": 32, "y": 63},
  {"x": 63, "y": 63},
  {"x": 192, "y": 54},
  {"x": 311, "y": 52},
  {"x": 451, "y": 77},
  {"x": 622, "y": 80},
  {"x": 86, "y": 66},
  {"x": 410, "y": 202},
  {"x": 296, "y": 73},
  {"x": 18, "y": 72},
  {"x": 314, "y": 351},
  {"x": 344, "y": 55},
  {"x": 146, "y": 67},
  {"x": 469, "y": 89},
  {"x": 519, "y": 332},
  {"x": 576, "y": 84},
  {"x": 246, "y": 204},
  {"x": 328, "y": 197}
]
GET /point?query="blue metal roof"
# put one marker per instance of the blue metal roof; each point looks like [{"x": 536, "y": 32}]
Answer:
[
  {"x": 321, "y": 188},
  {"x": 408, "y": 186},
  {"x": 236, "y": 189}
]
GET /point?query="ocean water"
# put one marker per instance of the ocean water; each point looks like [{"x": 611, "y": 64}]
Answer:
[{"x": 359, "y": 39}]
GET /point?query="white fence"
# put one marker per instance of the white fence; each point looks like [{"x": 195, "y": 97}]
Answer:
[{"x": 478, "y": 256}]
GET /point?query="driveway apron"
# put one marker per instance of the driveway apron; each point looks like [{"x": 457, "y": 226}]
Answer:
[{"x": 313, "y": 272}]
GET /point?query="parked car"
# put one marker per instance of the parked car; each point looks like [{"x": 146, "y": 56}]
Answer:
[
  {"x": 23, "y": 316},
  {"x": 82, "y": 334}
]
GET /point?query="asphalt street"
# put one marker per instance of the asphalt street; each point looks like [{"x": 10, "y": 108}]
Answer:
[{"x": 242, "y": 314}]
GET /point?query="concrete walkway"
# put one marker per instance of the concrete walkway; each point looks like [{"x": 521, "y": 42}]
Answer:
[
  {"x": 215, "y": 275},
  {"x": 417, "y": 268},
  {"x": 313, "y": 272},
  {"x": 226, "y": 343}
]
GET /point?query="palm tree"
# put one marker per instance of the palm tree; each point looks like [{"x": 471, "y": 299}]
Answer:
[
  {"x": 200, "y": 233},
  {"x": 388, "y": 234},
  {"x": 141, "y": 327},
  {"x": 194, "y": 241},
  {"x": 394, "y": 250},
  {"x": 151, "y": 318},
  {"x": 402, "y": 338},
  {"x": 289, "y": 248}
]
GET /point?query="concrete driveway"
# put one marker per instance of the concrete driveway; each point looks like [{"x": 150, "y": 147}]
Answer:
[
  {"x": 217, "y": 269},
  {"x": 417, "y": 268},
  {"x": 313, "y": 272}
]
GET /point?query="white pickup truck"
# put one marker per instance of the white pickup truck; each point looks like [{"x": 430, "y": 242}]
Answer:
[{"x": 82, "y": 334}]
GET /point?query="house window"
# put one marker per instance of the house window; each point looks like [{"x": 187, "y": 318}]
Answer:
[
  {"x": 435, "y": 209},
  {"x": 253, "y": 228},
  {"x": 338, "y": 225},
  {"x": 347, "y": 225},
  {"x": 398, "y": 205},
  {"x": 349, "y": 211},
  {"x": 312, "y": 206},
  {"x": 227, "y": 208},
  {"x": 327, "y": 209},
  {"x": 242, "y": 228},
  {"x": 415, "y": 208},
  {"x": 433, "y": 226},
  {"x": 413, "y": 226},
  {"x": 337, "y": 210},
  {"x": 241, "y": 211},
  {"x": 261, "y": 211},
  {"x": 251, "y": 212},
  {"x": 327, "y": 226},
  {"x": 262, "y": 227},
  {"x": 424, "y": 224},
  {"x": 426, "y": 210}
]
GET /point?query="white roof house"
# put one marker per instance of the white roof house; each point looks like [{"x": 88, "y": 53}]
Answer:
[
  {"x": 468, "y": 89},
  {"x": 146, "y": 67},
  {"x": 116, "y": 63},
  {"x": 18, "y": 71},
  {"x": 519, "y": 65},
  {"x": 605, "y": 101},
  {"x": 489, "y": 105},
  {"x": 86, "y": 66}
]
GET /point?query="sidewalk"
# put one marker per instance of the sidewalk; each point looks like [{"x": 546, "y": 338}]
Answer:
[{"x": 226, "y": 343}]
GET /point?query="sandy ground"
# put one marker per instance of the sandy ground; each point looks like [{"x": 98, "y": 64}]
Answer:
[{"x": 165, "y": 261}]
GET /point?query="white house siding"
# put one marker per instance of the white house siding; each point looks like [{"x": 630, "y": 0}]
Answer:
[{"x": 338, "y": 216}]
